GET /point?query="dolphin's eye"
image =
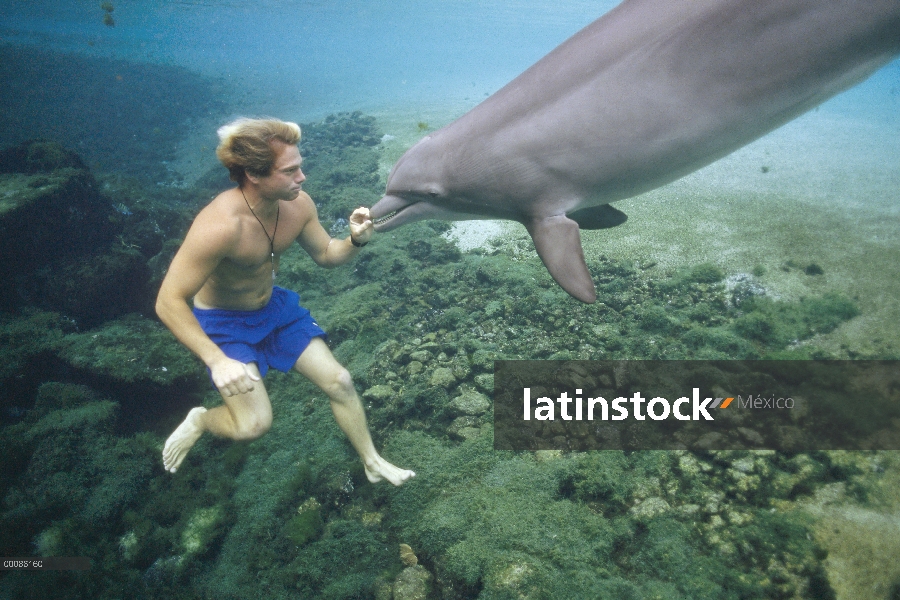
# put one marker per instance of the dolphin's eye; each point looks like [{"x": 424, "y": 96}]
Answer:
[{"x": 433, "y": 194}]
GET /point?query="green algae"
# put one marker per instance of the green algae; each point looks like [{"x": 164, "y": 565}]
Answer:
[
  {"x": 307, "y": 524},
  {"x": 129, "y": 349},
  {"x": 27, "y": 335},
  {"x": 778, "y": 324},
  {"x": 75, "y": 480},
  {"x": 556, "y": 525}
]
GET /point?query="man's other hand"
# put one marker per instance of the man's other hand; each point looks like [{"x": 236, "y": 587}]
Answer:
[
  {"x": 361, "y": 226},
  {"x": 232, "y": 377}
]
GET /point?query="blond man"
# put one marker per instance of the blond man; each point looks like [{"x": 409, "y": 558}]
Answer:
[{"x": 241, "y": 322}]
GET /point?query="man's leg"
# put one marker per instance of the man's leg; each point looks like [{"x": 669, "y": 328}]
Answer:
[
  {"x": 243, "y": 417},
  {"x": 319, "y": 365}
]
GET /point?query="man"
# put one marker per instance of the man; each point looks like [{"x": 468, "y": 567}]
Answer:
[{"x": 241, "y": 323}]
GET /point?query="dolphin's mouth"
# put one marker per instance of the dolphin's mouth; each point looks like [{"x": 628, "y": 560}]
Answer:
[
  {"x": 385, "y": 212},
  {"x": 387, "y": 217}
]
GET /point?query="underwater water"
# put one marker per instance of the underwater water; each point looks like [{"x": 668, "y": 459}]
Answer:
[
  {"x": 317, "y": 56},
  {"x": 785, "y": 249}
]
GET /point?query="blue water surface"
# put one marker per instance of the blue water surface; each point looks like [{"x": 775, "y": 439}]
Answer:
[{"x": 324, "y": 56}]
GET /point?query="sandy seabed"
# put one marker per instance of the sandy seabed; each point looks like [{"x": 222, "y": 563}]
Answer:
[{"x": 823, "y": 190}]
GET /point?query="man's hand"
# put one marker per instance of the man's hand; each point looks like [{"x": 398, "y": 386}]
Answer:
[
  {"x": 361, "y": 226},
  {"x": 232, "y": 377}
]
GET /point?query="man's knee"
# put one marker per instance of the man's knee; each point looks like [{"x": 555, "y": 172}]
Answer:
[
  {"x": 340, "y": 385},
  {"x": 253, "y": 427}
]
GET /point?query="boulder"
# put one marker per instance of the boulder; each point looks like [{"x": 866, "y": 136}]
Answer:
[
  {"x": 470, "y": 402},
  {"x": 413, "y": 583},
  {"x": 50, "y": 215}
]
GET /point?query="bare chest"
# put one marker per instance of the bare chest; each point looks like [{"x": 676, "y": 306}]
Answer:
[{"x": 261, "y": 243}]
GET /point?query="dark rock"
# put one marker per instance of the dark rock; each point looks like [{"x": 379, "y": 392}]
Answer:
[
  {"x": 47, "y": 217},
  {"x": 38, "y": 156},
  {"x": 68, "y": 248}
]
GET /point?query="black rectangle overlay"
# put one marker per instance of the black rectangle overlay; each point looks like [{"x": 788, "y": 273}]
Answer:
[
  {"x": 790, "y": 406},
  {"x": 46, "y": 563}
]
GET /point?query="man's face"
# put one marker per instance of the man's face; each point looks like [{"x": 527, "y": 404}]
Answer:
[{"x": 284, "y": 182}]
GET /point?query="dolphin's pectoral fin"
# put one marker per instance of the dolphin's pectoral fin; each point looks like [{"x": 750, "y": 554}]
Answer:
[
  {"x": 598, "y": 217},
  {"x": 558, "y": 243}
]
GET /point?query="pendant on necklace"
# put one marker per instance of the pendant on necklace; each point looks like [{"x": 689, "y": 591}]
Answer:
[{"x": 274, "y": 232}]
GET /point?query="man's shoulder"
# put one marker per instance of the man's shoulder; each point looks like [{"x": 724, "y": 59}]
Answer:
[
  {"x": 302, "y": 207},
  {"x": 224, "y": 201},
  {"x": 222, "y": 208},
  {"x": 220, "y": 217},
  {"x": 303, "y": 201}
]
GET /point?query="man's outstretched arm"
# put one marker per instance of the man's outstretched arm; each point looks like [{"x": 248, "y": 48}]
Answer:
[{"x": 327, "y": 251}]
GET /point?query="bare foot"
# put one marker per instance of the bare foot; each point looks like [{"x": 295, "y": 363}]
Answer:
[
  {"x": 182, "y": 440},
  {"x": 382, "y": 469}
]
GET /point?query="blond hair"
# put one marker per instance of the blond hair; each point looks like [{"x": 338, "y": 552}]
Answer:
[{"x": 246, "y": 145}]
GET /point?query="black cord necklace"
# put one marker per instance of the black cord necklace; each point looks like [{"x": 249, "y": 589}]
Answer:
[{"x": 274, "y": 232}]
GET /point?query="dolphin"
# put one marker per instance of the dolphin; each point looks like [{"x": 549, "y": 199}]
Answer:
[{"x": 651, "y": 91}]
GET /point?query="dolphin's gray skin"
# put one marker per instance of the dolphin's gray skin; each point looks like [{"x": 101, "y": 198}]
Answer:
[{"x": 652, "y": 91}]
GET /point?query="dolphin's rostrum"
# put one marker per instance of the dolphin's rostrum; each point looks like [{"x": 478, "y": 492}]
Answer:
[{"x": 652, "y": 91}]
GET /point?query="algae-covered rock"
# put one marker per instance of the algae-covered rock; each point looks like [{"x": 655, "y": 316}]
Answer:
[
  {"x": 128, "y": 546},
  {"x": 341, "y": 162},
  {"x": 352, "y": 313},
  {"x": 200, "y": 530},
  {"x": 46, "y": 191},
  {"x": 464, "y": 428},
  {"x": 460, "y": 424},
  {"x": 131, "y": 349},
  {"x": 379, "y": 392},
  {"x": 49, "y": 210},
  {"x": 415, "y": 367},
  {"x": 307, "y": 524},
  {"x": 38, "y": 156},
  {"x": 20, "y": 191},
  {"x": 28, "y": 334},
  {"x": 443, "y": 377},
  {"x": 470, "y": 402},
  {"x": 514, "y": 578},
  {"x": 423, "y": 356},
  {"x": 69, "y": 408},
  {"x": 66, "y": 248},
  {"x": 92, "y": 416},
  {"x": 413, "y": 583},
  {"x": 50, "y": 541},
  {"x": 71, "y": 469},
  {"x": 649, "y": 508},
  {"x": 485, "y": 382}
]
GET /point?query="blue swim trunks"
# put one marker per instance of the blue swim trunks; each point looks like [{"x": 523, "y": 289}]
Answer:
[{"x": 273, "y": 336}]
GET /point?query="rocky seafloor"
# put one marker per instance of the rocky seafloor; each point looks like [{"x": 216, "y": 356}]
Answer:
[{"x": 93, "y": 384}]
